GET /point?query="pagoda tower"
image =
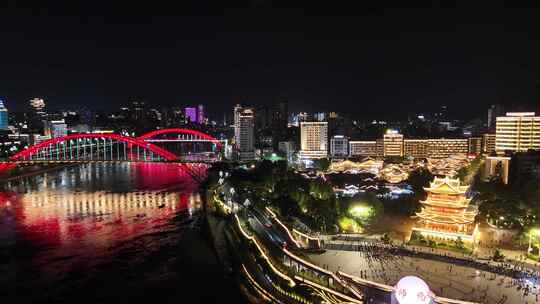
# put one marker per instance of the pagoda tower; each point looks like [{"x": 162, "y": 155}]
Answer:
[{"x": 446, "y": 213}]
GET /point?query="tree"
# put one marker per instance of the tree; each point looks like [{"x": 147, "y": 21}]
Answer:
[
  {"x": 321, "y": 164},
  {"x": 364, "y": 207},
  {"x": 498, "y": 256},
  {"x": 419, "y": 179},
  {"x": 459, "y": 243}
]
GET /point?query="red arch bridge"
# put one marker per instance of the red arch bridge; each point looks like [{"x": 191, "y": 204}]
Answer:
[{"x": 150, "y": 147}]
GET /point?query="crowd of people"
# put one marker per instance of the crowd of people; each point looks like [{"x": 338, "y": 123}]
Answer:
[{"x": 451, "y": 275}]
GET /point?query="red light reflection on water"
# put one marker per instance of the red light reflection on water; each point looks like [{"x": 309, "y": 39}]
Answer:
[{"x": 79, "y": 220}]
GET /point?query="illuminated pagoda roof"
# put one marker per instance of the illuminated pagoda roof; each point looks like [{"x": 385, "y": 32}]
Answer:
[
  {"x": 394, "y": 174},
  {"x": 347, "y": 165},
  {"x": 467, "y": 217},
  {"x": 446, "y": 185}
]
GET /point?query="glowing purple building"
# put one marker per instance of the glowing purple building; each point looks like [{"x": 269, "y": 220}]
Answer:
[{"x": 191, "y": 114}]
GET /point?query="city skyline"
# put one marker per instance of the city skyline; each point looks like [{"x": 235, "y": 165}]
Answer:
[{"x": 386, "y": 58}]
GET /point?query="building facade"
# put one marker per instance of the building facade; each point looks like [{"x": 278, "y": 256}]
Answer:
[
  {"x": 191, "y": 114},
  {"x": 443, "y": 147},
  {"x": 201, "y": 118},
  {"x": 55, "y": 128},
  {"x": 245, "y": 129},
  {"x": 488, "y": 142},
  {"x": 475, "y": 145},
  {"x": 313, "y": 140},
  {"x": 339, "y": 146},
  {"x": 3, "y": 116},
  {"x": 359, "y": 148},
  {"x": 497, "y": 166},
  {"x": 446, "y": 213},
  {"x": 417, "y": 148},
  {"x": 392, "y": 144},
  {"x": 517, "y": 132}
]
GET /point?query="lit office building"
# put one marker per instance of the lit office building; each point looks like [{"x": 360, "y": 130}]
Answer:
[
  {"x": 443, "y": 147},
  {"x": 517, "y": 132},
  {"x": 3, "y": 116},
  {"x": 55, "y": 128},
  {"x": 417, "y": 148},
  {"x": 446, "y": 213},
  {"x": 191, "y": 114},
  {"x": 360, "y": 148},
  {"x": 339, "y": 146},
  {"x": 287, "y": 147},
  {"x": 392, "y": 143},
  {"x": 488, "y": 142},
  {"x": 244, "y": 129},
  {"x": 200, "y": 114},
  {"x": 38, "y": 105},
  {"x": 321, "y": 116},
  {"x": 475, "y": 145},
  {"x": 313, "y": 140}
]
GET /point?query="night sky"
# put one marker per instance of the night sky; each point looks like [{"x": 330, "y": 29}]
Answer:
[{"x": 370, "y": 61}]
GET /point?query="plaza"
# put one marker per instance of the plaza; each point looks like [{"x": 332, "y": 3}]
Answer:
[{"x": 446, "y": 279}]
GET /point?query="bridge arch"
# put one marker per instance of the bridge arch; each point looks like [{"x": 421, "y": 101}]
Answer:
[
  {"x": 195, "y": 133},
  {"x": 33, "y": 150}
]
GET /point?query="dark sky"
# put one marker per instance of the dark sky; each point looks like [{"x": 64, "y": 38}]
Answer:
[{"x": 367, "y": 60}]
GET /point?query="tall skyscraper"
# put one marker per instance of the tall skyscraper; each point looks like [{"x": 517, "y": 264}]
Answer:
[
  {"x": 200, "y": 114},
  {"x": 3, "y": 116},
  {"x": 38, "y": 105},
  {"x": 517, "y": 132},
  {"x": 279, "y": 120},
  {"x": 55, "y": 128},
  {"x": 236, "y": 120},
  {"x": 313, "y": 140},
  {"x": 393, "y": 143},
  {"x": 246, "y": 139},
  {"x": 493, "y": 112},
  {"x": 191, "y": 114},
  {"x": 138, "y": 111},
  {"x": 339, "y": 146}
]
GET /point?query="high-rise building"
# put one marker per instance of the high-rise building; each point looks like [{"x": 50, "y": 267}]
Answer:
[
  {"x": 488, "y": 142},
  {"x": 287, "y": 147},
  {"x": 320, "y": 116},
  {"x": 55, "y": 128},
  {"x": 236, "y": 120},
  {"x": 200, "y": 114},
  {"x": 3, "y": 116},
  {"x": 38, "y": 105},
  {"x": 313, "y": 140},
  {"x": 138, "y": 111},
  {"x": 279, "y": 120},
  {"x": 392, "y": 143},
  {"x": 362, "y": 148},
  {"x": 493, "y": 112},
  {"x": 191, "y": 114},
  {"x": 445, "y": 147},
  {"x": 339, "y": 146},
  {"x": 245, "y": 141},
  {"x": 417, "y": 148},
  {"x": 517, "y": 132},
  {"x": 475, "y": 145}
]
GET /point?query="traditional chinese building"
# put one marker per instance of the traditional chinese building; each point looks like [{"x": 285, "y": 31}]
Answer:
[
  {"x": 394, "y": 174},
  {"x": 446, "y": 213}
]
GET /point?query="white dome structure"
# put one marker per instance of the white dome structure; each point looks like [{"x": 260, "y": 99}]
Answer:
[{"x": 412, "y": 290}]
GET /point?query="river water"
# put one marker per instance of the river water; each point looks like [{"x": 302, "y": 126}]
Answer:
[{"x": 107, "y": 233}]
